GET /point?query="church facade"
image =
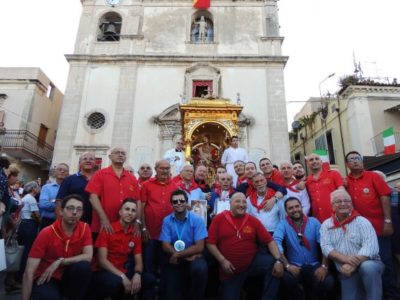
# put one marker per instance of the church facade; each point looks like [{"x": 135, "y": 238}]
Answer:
[{"x": 144, "y": 73}]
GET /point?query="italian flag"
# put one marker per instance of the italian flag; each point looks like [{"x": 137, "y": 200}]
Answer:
[
  {"x": 389, "y": 141},
  {"x": 323, "y": 154},
  {"x": 201, "y": 4}
]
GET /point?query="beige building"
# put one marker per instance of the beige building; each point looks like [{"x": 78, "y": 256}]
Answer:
[
  {"x": 352, "y": 120},
  {"x": 145, "y": 72},
  {"x": 30, "y": 107}
]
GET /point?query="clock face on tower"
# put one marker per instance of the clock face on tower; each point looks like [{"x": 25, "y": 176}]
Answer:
[{"x": 113, "y": 2}]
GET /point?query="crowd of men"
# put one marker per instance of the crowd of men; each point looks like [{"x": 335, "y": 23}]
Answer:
[{"x": 269, "y": 234}]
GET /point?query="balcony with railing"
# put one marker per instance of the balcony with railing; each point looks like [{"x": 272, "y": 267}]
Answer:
[
  {"x": 25, "y": 145},
  {"x": 377, "y": 143}
]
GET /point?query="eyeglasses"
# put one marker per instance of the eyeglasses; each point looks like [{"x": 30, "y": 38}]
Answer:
[
  {"x": 342, "y": 201},
  {"x": 145, "y": 168},
  {"x": 180, "y": 201},
  {"x": 73, "y": 209},
  {"x": 62, "y": 170},
  {"x": 119, "y": 153},
  {"x": 300, "y": 238},
  {"x": 353, "y": 159}
]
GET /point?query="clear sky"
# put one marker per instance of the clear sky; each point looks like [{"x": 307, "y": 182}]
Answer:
[{"x": 320, "y": 38}]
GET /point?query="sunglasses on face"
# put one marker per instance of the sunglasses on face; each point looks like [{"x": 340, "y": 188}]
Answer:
[{"x": 180, "y": 201}]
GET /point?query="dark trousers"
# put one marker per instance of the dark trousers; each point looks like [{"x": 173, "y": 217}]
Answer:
[
  {"x": 45, "y": 222},
  {"x": 186, "y": 280},
  {"x": 291, "y": 286},
  {"x": 154, "y": 260},
  {"x": 261, "y": 265},
  {"x": 389, "y": 278},
  {"x": 106, "y": 284},
  {"x": 27, "y": 232},
  {"x": 72, "y": 286}
]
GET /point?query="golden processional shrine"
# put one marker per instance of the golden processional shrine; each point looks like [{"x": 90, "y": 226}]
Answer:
[{"x": 207, "y": 126}]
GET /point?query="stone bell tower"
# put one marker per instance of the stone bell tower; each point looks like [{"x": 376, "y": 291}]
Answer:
[{"x": 137, "y": 62}]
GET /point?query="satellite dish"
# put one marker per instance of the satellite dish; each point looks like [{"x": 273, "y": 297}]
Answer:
[{"x": 296, "y": 125}]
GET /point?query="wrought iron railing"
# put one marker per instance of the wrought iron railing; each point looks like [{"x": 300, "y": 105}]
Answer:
[
  {"x": 27, "y": 141},
  {"x": 377, "y": 143}
]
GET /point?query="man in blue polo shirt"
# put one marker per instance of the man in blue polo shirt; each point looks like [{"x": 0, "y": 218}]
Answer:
[
  {"x": 300, "y": 236},
  {"x": 48, "y": 195},
  {"x": 183, "y": 237},
  {"x": 76, "y": 184}
]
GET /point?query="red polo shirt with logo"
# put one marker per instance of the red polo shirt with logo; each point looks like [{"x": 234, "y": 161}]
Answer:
[
  {"x": 240, "y": 251},
  {"x": 119, "y": 245},
  {"x": 156, "y": 197},
  {"x": 52, "y": 243},
  {"x": 112, "y": 190},
  {"x": 320, "y": 191},
  {"x": 365, "y": 191}
]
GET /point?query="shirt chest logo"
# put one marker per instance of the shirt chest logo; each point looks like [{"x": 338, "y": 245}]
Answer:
[{"x": 247, "y": 229}]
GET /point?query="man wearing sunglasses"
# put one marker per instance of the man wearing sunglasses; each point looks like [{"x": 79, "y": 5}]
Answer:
[
  {"x": 58, "y": 265},
  {"x": 301, "y": 253},
  {"x": 371, "y": 198},
  {"x": 183, "y": 237}
]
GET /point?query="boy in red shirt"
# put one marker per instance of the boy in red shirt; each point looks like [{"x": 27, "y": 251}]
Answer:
[
  {"x": 58, "y": 265},
  {"x": 116, "y": 274}
]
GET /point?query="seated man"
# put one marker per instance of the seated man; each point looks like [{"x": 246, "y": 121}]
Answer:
[
  {"x": 59, "y": 262},
  {"x": 351, "y": 242},
  {"x": 298, "y": 237},
  {"x": 234, "y": 239},
  {"x": 183, "y": 234},
  {"x": 117, "y": 276}
]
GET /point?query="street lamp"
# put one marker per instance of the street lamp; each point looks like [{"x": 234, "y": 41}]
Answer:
[{"x": 329, "y": 76}]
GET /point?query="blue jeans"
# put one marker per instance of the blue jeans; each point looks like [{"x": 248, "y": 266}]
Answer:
[
  {"x": 261, "y": 265},
  {"x": 186, "y": 280},
  {"x": 313, "y": 288},
  {"x": 27, "y": 232},
  {"x": 72, "y": 286},
  {"x": 364, "y": 283},
  {"x": 389, "y": 278}
]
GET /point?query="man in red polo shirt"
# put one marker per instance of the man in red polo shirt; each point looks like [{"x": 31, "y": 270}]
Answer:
[
  {"x": 371, "y": 198},
  {"x": 108, "y": 188},
  {"x": 145, "y": 172},
  {"x": 270, "y": 173},
  {"x": 58, "y": 266},
  {"x": 119, "y": 264},
  {"x": 320, "y": 184},
  {"x": 234, "y": 238},
  {"x": 156, "y": 205}
]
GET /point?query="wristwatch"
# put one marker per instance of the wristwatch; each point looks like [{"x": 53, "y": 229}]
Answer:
[
  {"x": 287, "y": 266},
  {"x": 324, "y": 267},
  {"x": 138, "y": 221},
  {"x": 144, "y": 229},
  {"x": 138, "y": 272},
  {"x": 387, "y": 221}
]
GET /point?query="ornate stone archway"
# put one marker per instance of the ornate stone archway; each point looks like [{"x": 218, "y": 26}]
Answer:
[{"x": 199, "y": 111}]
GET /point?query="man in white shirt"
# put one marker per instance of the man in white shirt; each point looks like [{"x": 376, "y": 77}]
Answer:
[
  {"x": 176, "y": 157},
  {"x": 351, "y": 242},
  {"x": 232, "y": 154}
]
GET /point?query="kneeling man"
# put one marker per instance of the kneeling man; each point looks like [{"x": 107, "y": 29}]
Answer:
[
  {"x": 183, "y": 237},
  {"x": 59, "y": 261},
  {"x": 351, "y": 242},
  {"x": 119, "y": 257},
  {"x": 234, "y": 240}
]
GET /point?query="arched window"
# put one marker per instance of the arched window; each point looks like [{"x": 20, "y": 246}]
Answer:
[
  {"x": 109, "y": 27},
  {"x": 202, "y": 28}
]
